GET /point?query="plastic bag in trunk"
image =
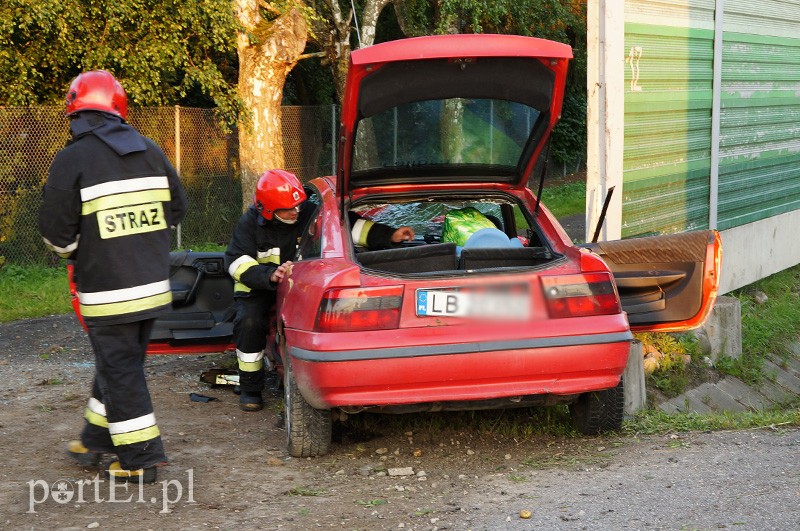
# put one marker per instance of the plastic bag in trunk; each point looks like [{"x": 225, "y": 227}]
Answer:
[{"x": 460, "y": 224}]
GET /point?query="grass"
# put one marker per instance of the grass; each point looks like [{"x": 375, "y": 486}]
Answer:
[
  {"x": 766, "y": 326},
  {"x": 34, "y": 291},
  {"x": 207, "y": 248},
  {"x": 566, "y": 199},
  {"x": 653, "y": 421}
]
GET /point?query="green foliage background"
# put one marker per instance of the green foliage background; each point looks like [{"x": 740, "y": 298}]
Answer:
[{"x": 163, "y": 52}]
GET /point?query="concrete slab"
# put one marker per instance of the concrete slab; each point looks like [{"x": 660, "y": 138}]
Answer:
[
  {"x": 750, "y": 398},
  {"x": 794, "y": 348},
  {"x": 784, "y": 378},
  {"x": 774, "y": 392},
  {"x": 782, "y": 386},
  {"x": 717, "y": 399},
  {"x": 791, "y": 364},
  {"x": 669, "y": 407},
  {"x": 721, "y": 334},
  {"x": 695, "y": 402}
]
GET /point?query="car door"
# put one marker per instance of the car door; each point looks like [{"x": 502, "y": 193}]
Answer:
[
  {"x": 201, "y": 316},
  {"x": 667, "y": 282}
]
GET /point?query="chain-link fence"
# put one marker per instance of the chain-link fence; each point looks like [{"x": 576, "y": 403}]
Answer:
[{"x": 205, "y": 156}]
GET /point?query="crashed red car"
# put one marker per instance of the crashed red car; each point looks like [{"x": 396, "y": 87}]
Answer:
[{"x": 443, "y": 134}]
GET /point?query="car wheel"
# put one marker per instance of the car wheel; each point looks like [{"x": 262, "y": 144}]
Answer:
[
  {"x": 308, "y": 430},
  {"x": 599, "y": 411}
]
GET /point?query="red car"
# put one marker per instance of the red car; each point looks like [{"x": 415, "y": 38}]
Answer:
[{"x": 492, "y": 305}]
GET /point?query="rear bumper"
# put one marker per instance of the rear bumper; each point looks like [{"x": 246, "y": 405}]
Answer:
[{"x": 460, "y": 372}]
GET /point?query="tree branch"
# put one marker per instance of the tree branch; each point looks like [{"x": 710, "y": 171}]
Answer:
[{"x": 310, "y": 55}]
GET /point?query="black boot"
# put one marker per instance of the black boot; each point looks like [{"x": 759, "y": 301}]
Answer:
[
  {"x": 82, "y": 455},
  {"x": 142, "y": 475},
  {"x": 251, "y": 401}
]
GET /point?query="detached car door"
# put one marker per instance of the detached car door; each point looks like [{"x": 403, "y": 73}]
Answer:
[
  {"x": 201, "y": 317},
  {"x": 666, "y": 283}
]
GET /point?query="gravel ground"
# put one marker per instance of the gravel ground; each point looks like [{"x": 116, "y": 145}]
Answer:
[{"x": 229, "y": 469}]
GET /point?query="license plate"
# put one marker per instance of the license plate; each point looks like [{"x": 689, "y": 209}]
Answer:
[{"x": 483, "y": 304}]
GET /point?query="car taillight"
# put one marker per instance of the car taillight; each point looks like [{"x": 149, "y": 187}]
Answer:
[
  {"x": 356, "y": 309},
  {"x": 581, "y": 295}
]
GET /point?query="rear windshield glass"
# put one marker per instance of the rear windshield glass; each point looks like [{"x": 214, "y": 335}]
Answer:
[{"x": 456, "y": 132}]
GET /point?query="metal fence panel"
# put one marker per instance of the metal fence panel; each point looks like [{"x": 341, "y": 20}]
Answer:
[
  {"x": 668, "y": 100},
  {"x": 759, "y": 167},
  {"x": 674, "y": 169}
]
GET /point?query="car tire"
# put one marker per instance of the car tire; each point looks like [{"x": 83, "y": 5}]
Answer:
[
  {"x": 599, "y": 411},
  {"x": 308, "y": 430}
]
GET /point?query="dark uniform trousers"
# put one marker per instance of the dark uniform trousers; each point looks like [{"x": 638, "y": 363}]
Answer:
[
  {"x": 251, "y": 330},
  {"x": 119, "y": 418}
]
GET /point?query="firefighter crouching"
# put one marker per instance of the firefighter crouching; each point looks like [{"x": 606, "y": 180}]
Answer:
[
  {"x": 110, "y": 199},
  {"x": 258, "y": 257}
]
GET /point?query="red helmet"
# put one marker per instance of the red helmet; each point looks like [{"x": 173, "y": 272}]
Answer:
[
  {"x": 97, "y": 90},
  {"x": 277, "y": 189}
]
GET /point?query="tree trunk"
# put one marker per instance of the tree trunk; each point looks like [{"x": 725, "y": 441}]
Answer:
[
  {"x": 451, "y": 136},
  {"x": 268, "y": 50},
  {"x": 339, "y": 43},
  {"x": 372, "y": 10},
  {"x": 340, "y": 56}
]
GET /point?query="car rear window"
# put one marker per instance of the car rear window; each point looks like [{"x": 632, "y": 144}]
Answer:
[{"x": 471, "y": 134}]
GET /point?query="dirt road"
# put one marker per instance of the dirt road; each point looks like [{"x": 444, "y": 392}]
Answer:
[{"x": 229, "y": 469}]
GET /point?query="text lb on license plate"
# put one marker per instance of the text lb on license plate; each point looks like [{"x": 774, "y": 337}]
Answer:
[{"x": 450, "y": 303}]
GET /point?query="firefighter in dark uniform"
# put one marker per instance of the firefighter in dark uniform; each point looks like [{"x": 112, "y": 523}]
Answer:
[
  {"x": 259, "y": 256},
  {"x": 110, "y": 199}
]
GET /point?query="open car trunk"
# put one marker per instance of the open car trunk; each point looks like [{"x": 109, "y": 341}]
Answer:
[{"x": 457, "y": 234}]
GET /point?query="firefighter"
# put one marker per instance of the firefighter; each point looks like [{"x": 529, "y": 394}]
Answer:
[
  {"x": 259, "y": 256},
  {"x": 110, "y": 200}
]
